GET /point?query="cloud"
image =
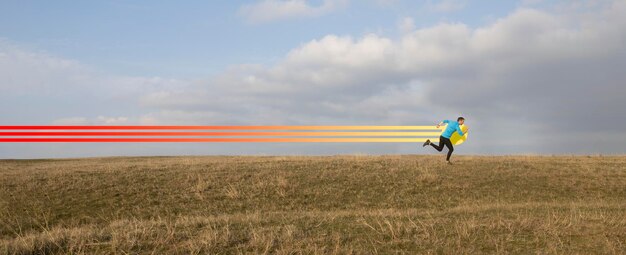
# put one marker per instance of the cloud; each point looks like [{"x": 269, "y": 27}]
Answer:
[
  {"x": 272, "y": 10},
  {"x": 529, "y": 77},
  {"x": 406, "y": 25},
  {"x": 23, "y": 71},
  {"x": 41, "y": 88},
  {"x": 100, "y": 120}
]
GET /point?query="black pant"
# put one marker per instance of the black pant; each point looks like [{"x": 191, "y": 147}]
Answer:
[{"x": 444, "y": 141}]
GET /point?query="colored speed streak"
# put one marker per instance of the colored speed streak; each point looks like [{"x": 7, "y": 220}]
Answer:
[
  {"x": 285, "y": 134},
  {"x": 219, "y": 134},
  {"x": 222, "y": 140},
  {"x": 218, "y": 128}
]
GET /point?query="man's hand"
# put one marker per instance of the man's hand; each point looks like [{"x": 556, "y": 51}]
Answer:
[{"x": 438, "y": 125}]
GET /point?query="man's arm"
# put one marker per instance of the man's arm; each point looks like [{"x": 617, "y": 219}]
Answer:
[
  {"x": 458, "y": 129},
  {"x": 441, "y": 123}
]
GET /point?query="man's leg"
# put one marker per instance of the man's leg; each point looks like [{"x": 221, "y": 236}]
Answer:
[
  {"x": 448, "y": 144},
  {"x": 440, "y": 146}
]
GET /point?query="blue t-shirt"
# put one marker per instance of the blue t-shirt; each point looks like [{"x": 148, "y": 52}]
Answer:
[{"x": 452, "y": 126}]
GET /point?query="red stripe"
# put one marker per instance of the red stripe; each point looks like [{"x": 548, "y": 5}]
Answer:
[{"x": 129, "y": 127}]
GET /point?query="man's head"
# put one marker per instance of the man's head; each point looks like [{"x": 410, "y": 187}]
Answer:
[{"x": 460, "y": 120}]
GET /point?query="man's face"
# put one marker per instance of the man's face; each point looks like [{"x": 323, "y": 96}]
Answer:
[{"x": 461, "y": 122}]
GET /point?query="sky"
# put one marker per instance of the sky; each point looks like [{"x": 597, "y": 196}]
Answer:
[{"x": 529, "y": 76}]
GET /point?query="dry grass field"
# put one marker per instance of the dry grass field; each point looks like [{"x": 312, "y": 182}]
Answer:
[{"x": 307, "y": 205}]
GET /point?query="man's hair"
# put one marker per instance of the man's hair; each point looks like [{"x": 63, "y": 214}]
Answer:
[{"x": 460, "y": 119}]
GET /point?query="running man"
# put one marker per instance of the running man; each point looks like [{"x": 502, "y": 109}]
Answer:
[{"x": 444, "y": 139}]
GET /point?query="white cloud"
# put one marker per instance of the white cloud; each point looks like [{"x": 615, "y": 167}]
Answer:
[
  {"x": 528, "y": 71},
  {"x": 71, "y": 121},
  {"x": 25, "y": 71},
  {"x": 271, "y": 10},
  {"x": 406, "y": 25},
  {"x": 51, "y": 89},
  {"x": 100, "y": 120}
]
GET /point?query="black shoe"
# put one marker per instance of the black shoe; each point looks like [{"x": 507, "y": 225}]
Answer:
[{"x": 426, "y": 143}]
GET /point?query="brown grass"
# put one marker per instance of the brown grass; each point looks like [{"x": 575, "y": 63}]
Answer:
[{"x": 291, "y": 205}]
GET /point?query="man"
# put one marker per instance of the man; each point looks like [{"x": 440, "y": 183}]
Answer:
[{"x": 444, "y": 139}]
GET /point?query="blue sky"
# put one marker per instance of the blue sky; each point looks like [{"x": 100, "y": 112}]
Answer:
[
  {"x": 530, "y": 76},
  {"x": 199, "y": 38}
]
